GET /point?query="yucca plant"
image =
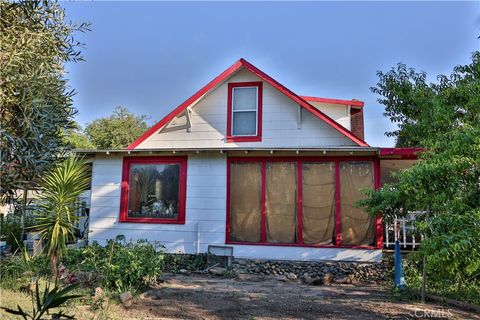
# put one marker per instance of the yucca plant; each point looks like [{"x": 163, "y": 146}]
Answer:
[
  {"x": 56, "y": 218},
  {"x": 43, "y": 304}
]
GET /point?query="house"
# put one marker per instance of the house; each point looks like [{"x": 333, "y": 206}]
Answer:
[{"x": 249, "y": 164}]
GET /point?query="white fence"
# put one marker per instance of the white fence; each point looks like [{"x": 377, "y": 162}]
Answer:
[{"x": 403, "y": 229}]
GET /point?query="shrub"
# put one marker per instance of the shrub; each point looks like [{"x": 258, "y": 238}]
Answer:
[
  {"x": 21, "y": 268},
  {"x": 120, "y": 265}
]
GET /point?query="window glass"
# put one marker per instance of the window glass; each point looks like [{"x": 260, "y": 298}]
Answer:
[
  {"x": 318, "y": 203},
  {"x": 154, "y": 191},
  {"x": 357, "y": 225},
  {"x": 245, "y": 202},
  {"x": 244, "y": 98},
  {"x": 244, "y": 111},
  {"x": 244, "y": 123}
]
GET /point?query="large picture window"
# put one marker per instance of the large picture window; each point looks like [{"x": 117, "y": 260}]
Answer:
[
  {"x": 244, "y": 122},
  {"x": 153, "y": 190},
  {"x": 300, "y": 201}
]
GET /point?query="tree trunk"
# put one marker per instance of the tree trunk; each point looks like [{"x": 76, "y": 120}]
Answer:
[{"x": 54, "y": 266}]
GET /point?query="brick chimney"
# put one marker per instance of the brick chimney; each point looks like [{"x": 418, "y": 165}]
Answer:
[{"x": 356, "y": 122}]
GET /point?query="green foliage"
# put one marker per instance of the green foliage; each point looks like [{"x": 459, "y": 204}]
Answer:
[
  {"x": 121, "y": 266},
  {"x": 60, "y": 189},
  {"x": 421, "y": 110},
  {"x": 43, "y": 303},
  {"x": 11, "y": 227},
  {"x": 36, "y": 103},
  {"x": 469, "y": 291},
  {"x": 446, "y": 183},
  {"x": 20, "y": 268},
  {"x": 76, "y": 138},
  {"x": 116, "y": 131}
]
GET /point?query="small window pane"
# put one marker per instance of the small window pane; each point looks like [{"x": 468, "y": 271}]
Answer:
[
  {"x": 154, "y": 190},
  {"x": 244, "y": 123},
  {"x": 244, "y": 98}
]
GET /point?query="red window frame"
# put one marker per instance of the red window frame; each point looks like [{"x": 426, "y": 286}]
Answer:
[
  {"x": 258, "y": 136},
  {"x": 127, "y": 162},
  {"x": 378, "y": 244}
]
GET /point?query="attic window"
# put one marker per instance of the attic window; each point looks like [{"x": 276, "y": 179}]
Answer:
[{"x": 244, "y": 123}]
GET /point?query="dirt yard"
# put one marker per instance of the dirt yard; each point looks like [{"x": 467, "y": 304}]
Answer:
[{"x": 201, "y": 297}]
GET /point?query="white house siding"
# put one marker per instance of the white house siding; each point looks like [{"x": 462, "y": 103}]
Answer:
[
  {"x": 338, "y": 112},
  {"x": 280, "y": 128},
  {"x": 205, "y": 215}
]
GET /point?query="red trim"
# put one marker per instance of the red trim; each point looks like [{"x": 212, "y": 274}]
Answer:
[
  {"x": 403, "y": 153},
  {"x": 352, "y": 103},
  {"x": 300, "y": 200},
  {"x": 338, "y": 206},
  {"x": 378, "y": 219},
  {"x": 127, "y": 161},
  {"x": 227, "y": 73},
  {"x": 230, "y": 136},
  {"x": 299, "y": 161}
]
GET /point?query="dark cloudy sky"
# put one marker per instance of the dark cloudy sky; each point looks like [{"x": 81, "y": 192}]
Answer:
[{"x": 151, "y": 56}]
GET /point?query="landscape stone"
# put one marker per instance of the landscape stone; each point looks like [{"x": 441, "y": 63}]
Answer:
[
  {"x": 126, "y": 299},
  {"x": 218, "y": 271},
  {"x": 327, "y": 278}
]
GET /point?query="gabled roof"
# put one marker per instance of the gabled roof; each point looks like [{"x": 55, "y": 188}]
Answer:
[{"x": 242, "y": 63}]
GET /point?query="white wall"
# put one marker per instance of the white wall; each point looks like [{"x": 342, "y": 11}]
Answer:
[
  {"x": 338, "y": 112},
  {"x": 205, "y": 215},
  {"x": 280, "y": 129}
]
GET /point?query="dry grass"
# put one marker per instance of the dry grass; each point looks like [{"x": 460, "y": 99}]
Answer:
[{"x": 80, "y": 309}]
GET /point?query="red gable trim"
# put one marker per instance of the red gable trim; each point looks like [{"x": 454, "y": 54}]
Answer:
[
  {"x": 353, "y": 103},
  {"x": 402, "y": 153},
  {"x": 224, "y": 75}
]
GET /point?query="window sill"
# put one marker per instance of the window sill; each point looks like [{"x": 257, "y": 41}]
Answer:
[
  {"x": 151, "y": 220},
  {"x": 244, "y": 139}
]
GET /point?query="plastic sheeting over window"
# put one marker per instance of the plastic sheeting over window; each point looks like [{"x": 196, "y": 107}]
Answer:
[
  {"x": 281, "y": 202},
  {"x": 318, "y": 203},
  {"x": 300, "y": 201},
  {"x": 245, "y": 202},
  {"x": 357, "y": 225}
]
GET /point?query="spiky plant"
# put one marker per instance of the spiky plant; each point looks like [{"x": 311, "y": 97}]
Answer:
[{"x": 60, "y": 189}]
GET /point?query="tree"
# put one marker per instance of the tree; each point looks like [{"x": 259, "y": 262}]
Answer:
[
  {"x": 410, "y": 102},
  {"x": 116, "y": 131},
  {"x": 36, "y": 102},
  {"x": 60, "y": 189},
  {"x": 76, "y": 138},
  {"x": 443, "y": 118}
]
